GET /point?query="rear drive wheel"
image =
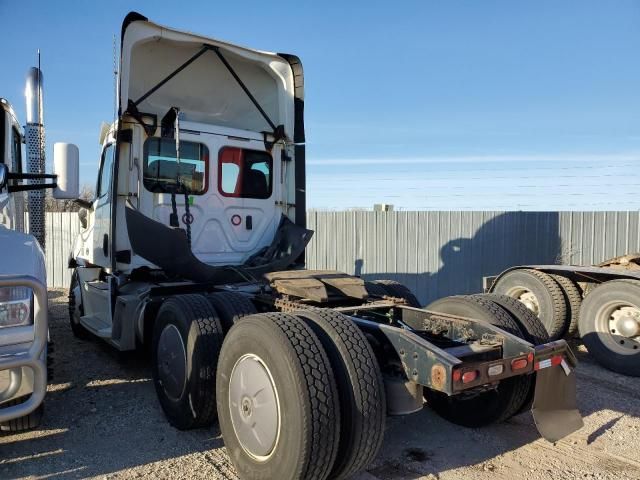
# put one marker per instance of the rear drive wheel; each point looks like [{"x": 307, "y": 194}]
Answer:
[
  {"x": 497, "y": 405},
  {"x": 533, "y": 331},
  {"x": 277, "y": 399},
  {"x": 76, "y": 310},
  {"x": 396, "y": 289},
  {"x": 531, "y": 326},
  {"x": 610, "y": 325},
  {"x": 540, "y": 293},
  {"x": 573, "y": 299},
  {"x": 231, "y": 307},
  {"x": 187, "y": 337},
  {"x": 22, "y": 424},
  {"x": 360, "y": 388}
]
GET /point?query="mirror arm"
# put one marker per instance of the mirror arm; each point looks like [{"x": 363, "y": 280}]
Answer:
[
  {"x": 25, "y": 188},
  {"x": 31, "y": 176},
  {"x": 83, "y": 203}
]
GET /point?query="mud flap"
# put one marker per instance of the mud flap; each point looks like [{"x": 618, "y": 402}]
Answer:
[{"x": 554, "y": 406}]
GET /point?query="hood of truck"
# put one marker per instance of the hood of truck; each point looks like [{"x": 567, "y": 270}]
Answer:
[
  {"x": 205, "y": 90},
  {"x": 21, "y": 255}
]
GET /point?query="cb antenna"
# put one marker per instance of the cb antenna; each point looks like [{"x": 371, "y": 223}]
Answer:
[{"x": 115, "y": 78}]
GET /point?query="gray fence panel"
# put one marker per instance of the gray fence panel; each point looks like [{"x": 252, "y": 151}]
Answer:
[
  {"x": 61, "y": 231},
  {"x": 433, "y": 253},
  {"x": 447, "y": 253}
]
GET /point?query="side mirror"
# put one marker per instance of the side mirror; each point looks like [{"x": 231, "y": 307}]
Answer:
[
  {"x": 66, "y": 165},
  {"x": 82, "y": 215},
  {"x": 4, "y": 171}
]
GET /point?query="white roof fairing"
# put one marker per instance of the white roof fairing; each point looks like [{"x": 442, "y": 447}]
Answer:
[{"x": 205, "y": 91}]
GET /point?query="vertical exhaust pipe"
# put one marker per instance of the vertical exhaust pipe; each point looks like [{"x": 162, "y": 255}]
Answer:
[{"x": 34, "y": 133}]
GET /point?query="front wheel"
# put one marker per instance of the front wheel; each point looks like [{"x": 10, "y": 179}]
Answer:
[
  {"x": 610, "y": 325},
  {"x": 278, "y": 404},
  {"x": 76, "y": 310},
  {"x": 22, "y": 424}
]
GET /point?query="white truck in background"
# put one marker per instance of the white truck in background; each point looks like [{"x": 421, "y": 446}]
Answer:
[{"x": 23, "y": 292}]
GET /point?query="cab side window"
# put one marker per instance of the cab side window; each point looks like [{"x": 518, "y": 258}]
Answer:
[
  {"x": 16, "y": 150},
  {"x": 106, "y": 170},
  {"x": 245, "y": 173}
]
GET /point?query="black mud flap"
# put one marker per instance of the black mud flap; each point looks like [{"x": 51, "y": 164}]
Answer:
[{"x": 554, "y": 406}]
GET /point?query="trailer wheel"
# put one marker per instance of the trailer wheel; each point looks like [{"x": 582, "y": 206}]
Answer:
[
  {"x": 497, "y": 405},
  {"x": 76, "y": 310},
  {"x": 397, "y": 289},
  {"x": 540, "y": 293},
  {"x": 187, "y": 337},
  {"x": 278, "y": 404},
  {"x": 610, "y": 325},
  {"x": 360, "y": 389},
  {"x": 22, "y": 424},
  {"x": 573, "y": 299},
  {"x": 231, "y": 307}
]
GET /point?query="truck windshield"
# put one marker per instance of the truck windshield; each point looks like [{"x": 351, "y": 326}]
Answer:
[{"x": 161, "y": 171}]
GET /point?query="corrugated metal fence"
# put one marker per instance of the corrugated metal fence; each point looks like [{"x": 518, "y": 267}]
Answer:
[
  {"x": 61, "y": 230},
  {"x": 447, "y": 253},
  {"x": 433, "y": 253}
]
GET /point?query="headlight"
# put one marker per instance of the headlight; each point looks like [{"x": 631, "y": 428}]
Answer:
[{"x": 16, "y": 306}]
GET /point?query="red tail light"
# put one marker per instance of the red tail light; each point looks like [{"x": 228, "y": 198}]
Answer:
[
  {"x": 468, "y": 377},
  {"x": 519, "y": 363}
]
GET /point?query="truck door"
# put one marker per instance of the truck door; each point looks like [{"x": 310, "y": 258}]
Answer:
[{"x": 102, "y": 209}]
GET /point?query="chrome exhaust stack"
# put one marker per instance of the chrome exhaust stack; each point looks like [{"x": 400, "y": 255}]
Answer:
[{"x": 35, "y": 146}]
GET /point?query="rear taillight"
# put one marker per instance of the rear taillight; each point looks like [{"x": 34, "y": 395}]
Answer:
[
  {"x": 468, "y": 377},
  {"x": 519, "y": 364},
  {"x": 494, "y": 370}
]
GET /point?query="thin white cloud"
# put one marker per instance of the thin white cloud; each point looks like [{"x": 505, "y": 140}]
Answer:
[{"x": 539, "y": 158}]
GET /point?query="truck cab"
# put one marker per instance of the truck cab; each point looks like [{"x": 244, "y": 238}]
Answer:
[
  {"x": 203, "y": 170},
  {"x": 23, "y": 298},
  {"x": 24, "y": 335}
]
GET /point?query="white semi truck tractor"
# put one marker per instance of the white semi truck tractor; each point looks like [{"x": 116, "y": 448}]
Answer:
[
  {"x": 23, "y": 293},
  {"x": 194, "y": 247}
]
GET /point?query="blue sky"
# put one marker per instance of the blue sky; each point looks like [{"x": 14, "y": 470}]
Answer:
[{"x": 507, "y": 105}]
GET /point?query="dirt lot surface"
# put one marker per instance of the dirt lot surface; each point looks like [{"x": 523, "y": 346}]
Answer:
[{"x": 103, "y": 420}]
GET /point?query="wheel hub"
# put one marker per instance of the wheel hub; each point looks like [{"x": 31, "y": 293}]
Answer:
[
  {"x": 528, "y": 298},
  {"x": 254, "y": 407},
  {"x": 625, "y": 321},
  {"x": 172, "y": 362}
]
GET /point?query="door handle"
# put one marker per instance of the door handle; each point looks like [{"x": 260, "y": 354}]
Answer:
[
  {"x": 105, "y": 245},
  {"x": 249, "y": 222}
]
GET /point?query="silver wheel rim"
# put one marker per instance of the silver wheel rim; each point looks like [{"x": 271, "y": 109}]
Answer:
[
  {"x": 254, "y": 407},
  {"x": 618, "y": 324},
  {"x": 526, "y": 297},
  {"x": 172, "y": 362}
]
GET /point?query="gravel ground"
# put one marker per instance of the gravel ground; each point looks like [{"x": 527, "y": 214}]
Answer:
[{"x": 102, "y": 420}]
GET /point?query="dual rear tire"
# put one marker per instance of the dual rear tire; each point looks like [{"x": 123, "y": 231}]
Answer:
[
  {"x": 511, "y": 396},
  {"x": 296, "y": 396}
]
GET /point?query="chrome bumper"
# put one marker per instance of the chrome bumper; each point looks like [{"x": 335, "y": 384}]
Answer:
[{"x": 33, "y": 357}]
